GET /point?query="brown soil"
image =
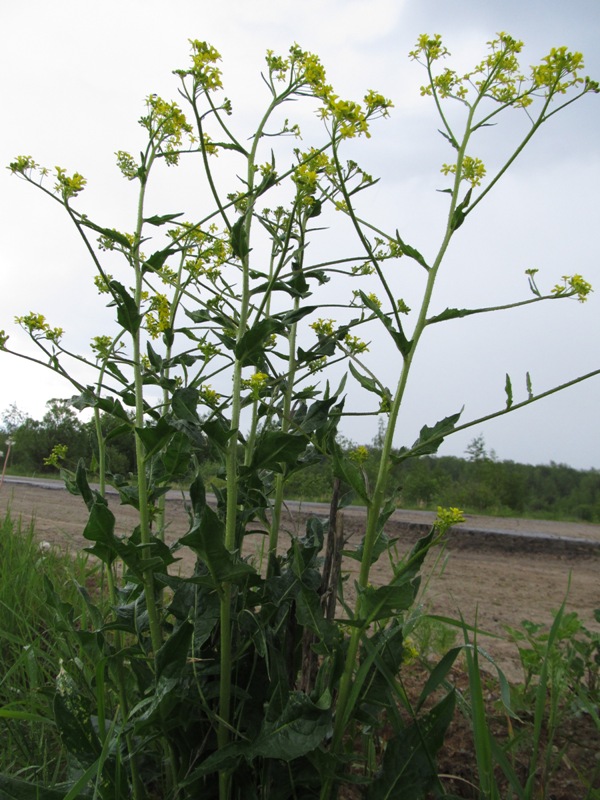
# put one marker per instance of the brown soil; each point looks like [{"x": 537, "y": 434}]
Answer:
[{"x": 494, "y": 571}]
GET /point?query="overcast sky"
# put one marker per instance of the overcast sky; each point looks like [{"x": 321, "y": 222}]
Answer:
[{"x": 74, "y": 77}]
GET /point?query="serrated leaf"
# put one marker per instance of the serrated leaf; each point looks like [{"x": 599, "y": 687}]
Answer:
[
  {"x": 430, "y": 439},
  {"x": 451, "y": 313},
  {"x": 155, "y": 437},
  {"x": 158, "y": 258},
  {"x": 411, "y": 252}
]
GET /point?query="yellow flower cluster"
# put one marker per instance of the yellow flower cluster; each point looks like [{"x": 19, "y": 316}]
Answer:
[
  {"x": 359, "y": 455},
  {"x": 208, "y": 395},
  {"x": 158, "y": 318},
  {"x": 204, "y": 71},
  {"x": 67, "y": 186},
  {"x": 573, "y": 285},
  {"x": 323, "y": 327},
  {"x": 447, "y": 517},
  {"x": 58, "y": 453},
  {"x": 36, "y": 323},
  {"x": 256, "y": 383},
  {"x": 472, "y": 170},
  {"x": 166, "y": 124},
  {"x": 102, "y": 346}
]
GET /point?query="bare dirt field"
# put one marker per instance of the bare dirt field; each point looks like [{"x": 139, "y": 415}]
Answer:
[{"x": 498, "y": 571}]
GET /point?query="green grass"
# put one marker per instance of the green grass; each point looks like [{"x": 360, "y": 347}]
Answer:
[{"x": 31, "y": 647}]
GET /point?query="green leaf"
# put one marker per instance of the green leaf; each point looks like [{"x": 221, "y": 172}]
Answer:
[
  {"x": 160, "y": 220},
  {"x": 409, "y": 771},
  {"x": 369, "y": 384},
  {"x": 155, "y": 437},
  {"x": 239, "y": 239},
  {"x": 295, "y": 314},
  {"x": 128, "y": 315},
  {"x": 429, "y": 439},
  {"x": 184, "y": 403},
  {"x": 100, "y": 529},
  {"x": 110, "y": 233},
  {"x": 206, "y": 539},
  {"x": 438, "y": 674},
  {"x": 76, "y": 731},
  {"x": 460, "y": 212},
  {"x": 250, "y": 348},
  {"x": 172, "y": 655},
  {"x": 158, "y": 258},
  {"x": 451, "y": 313},
  {"x": 529, "y": 387},
  {"x": 275, "y": 448},
  {"x": 402, "y": 343},
  {"x": 155, "y": 359},
  {"x": 176, "y": 458},
  {"x": 508, "y": 390},
  {"x": 300, "y": 728},
  {"x": 344, "y": 469},
  {"x": 385, "y": 602},
  {"x": 409, "y": 251}
]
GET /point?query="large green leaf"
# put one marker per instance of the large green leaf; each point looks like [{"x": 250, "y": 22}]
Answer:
[
  {"x": 370, "y": 384},
  {"x": 172, "y": 655},
  {"x": 73, "y": 721},
  {"x": 184, "y": 403},
  {"x": 300, "y": 728},
  {"x": 409, "y": 769},
  {"x": 206, "y": 539},
  {"x": 275, "y": 448},
  {"x": 250, "y": 348},
  {"x": 155, "y": 437}
]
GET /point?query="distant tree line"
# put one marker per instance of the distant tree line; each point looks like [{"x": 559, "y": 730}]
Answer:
[{"x": 478, "y": 483}]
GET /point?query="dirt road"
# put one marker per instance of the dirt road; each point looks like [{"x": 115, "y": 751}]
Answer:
[{"x": 500, "y": 570}]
